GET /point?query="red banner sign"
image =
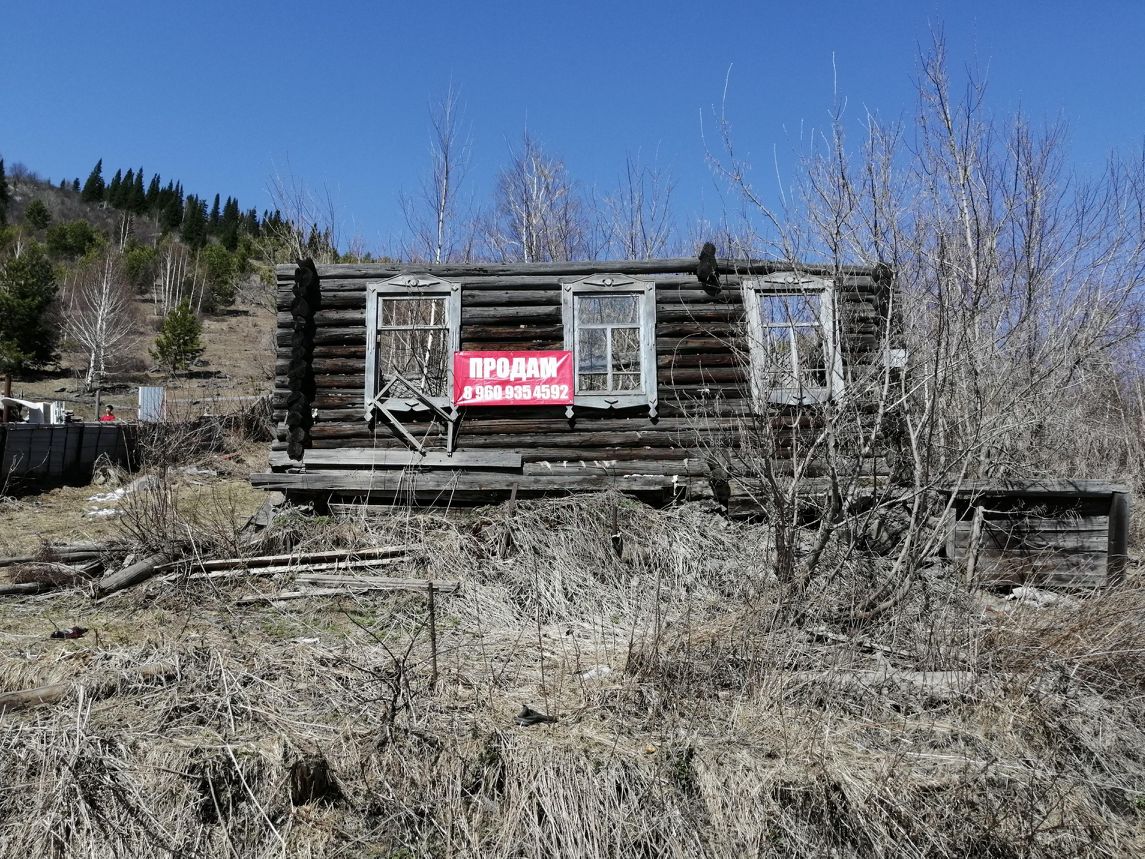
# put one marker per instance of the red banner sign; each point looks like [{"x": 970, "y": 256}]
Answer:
[{"x": 513, "y": 378}]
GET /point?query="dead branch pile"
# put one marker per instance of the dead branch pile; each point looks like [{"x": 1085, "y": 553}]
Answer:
[{"x": 701, "y": 708}]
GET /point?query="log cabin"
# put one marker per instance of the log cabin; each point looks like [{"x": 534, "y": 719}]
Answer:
[{"x": 466, "y": 383}]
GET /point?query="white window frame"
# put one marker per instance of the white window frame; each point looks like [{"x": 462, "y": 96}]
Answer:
[
  {"x": 614, "y": 284},
  {"x": 419, "y": 286},
  {"x": 792, "y": 283}
]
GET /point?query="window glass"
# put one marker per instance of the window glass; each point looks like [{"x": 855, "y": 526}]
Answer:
[
  {"x": 607, "y": 309},
  {"x": 793, "y": 354},
  {"x": 608, "y": 343},
  {"x": 405, "y": 312},
  {"x": 413, "y": 341}
]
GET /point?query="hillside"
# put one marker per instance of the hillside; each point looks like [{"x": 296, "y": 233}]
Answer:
[{"x": 157, "y": 263}]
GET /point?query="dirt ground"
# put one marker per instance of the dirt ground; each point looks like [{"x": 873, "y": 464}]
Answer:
[{"x": 79, "y": 514}]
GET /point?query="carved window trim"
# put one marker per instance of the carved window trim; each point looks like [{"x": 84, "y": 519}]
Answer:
[
  {"x": 755, "y": 291},
  {"x": 614, "y": 284},
  {"x": 420, "y": 286}
]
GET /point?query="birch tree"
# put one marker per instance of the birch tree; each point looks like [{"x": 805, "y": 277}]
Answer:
[
  {"x": 440, "y": 230},
  {"x": 99, "y": 316},
  {"x": 538, "y": 215}
]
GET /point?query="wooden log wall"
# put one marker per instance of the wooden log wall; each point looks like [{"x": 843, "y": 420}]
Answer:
[{"x": 702, "y": 375}]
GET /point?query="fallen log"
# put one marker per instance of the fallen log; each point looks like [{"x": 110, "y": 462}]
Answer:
[
  {"x": 132, "y": 575},
  {"x": 20, "y": 588},
  {"x": 294, "y": 560},
  {"x": 78, "y": 552},
  {"x": 56, "y": 692}
]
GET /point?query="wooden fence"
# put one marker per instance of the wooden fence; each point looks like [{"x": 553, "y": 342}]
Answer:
[{"x": 33, "y": 455}]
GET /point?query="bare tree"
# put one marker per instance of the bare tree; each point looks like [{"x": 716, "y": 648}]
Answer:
[
  {"x": 538, "y": 214},
  {"x": 638, "y": 212},
  {"x": 99, "y": 315},
  {"x": 1016, "y": 313},
  {"x": 308, "y": 223},
  {"x": 439, "y": 231}
]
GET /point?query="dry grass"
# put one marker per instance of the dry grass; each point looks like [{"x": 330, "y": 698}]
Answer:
[{"x": 728, "y": 724}]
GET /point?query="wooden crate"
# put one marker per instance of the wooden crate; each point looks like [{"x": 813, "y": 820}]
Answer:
[{"x": 1068, "y": 534}]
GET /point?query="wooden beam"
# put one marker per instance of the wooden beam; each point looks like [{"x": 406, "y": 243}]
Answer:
[
  {"x": 574, "y": 268},
  {"x": 352, "y": 587},
  {"x": 1118, "y": 547},
  {"x": 297, "y": 558},
  {"x": 1038, "y": 487},
  {"x": 392, "y": 482},
  {"x": 476, "y": 459}
]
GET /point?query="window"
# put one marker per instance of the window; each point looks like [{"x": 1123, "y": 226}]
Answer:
[
  {"x": 792, "y": 339},
  {"x": 610, "y": 325},
  {"x": 412, "y": 330}
]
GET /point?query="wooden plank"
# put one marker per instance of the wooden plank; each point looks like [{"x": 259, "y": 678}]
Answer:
[
  {"x": 1118, "y": 545},
  {"x": 1001, "y": 539},
  {"x": 475, "y": 459},
  {"x": 394, "y": 482},
  {"x": 295, "y": 557},
  {"x": 1038, "y": 487},
  {"x": 353, "y": 589}
]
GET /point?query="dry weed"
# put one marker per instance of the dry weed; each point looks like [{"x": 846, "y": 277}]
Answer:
[{"x": 698, "y": 715}]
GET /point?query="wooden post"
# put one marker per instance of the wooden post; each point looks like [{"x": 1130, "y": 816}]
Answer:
[
  {"x": 975, "y": 544},
  {"x": 98, "y": 398},
  {"x": 1118, "y": 537},
  {"x": 432, "y": 636}
]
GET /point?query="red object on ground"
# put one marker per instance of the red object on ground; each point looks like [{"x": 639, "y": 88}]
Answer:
[
  {"x": 106, "y": 418},
  {"x": 535, "y": 378}
]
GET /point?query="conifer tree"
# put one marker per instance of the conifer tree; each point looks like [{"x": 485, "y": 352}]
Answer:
[
  {"x": 27, "y": 290},
  {"x": 3, "y": 195},
  {"x": 213, "y": 221},
  {"x": 194, "y": 228},
  {"x": 178, "y": 343},
  {"x": 137, "y": 197},
  {"x": 76, "y": 184},
  {"x": 36, "y": 214},
  {"x": 153, "y": 191},
  {"x": 171, "y": 215},
  {"x": 115, "y": 190},
  {"x": 125, "y": 190},
  {"x": 229, "y": 224},
  {"x": 94, "y": 189}
]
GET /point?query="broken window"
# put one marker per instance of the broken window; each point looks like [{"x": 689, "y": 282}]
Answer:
[
  {"x": 792, "y": 339},
  {"x": 610, "y": 327},
  {"x": 413, "y": 329}
]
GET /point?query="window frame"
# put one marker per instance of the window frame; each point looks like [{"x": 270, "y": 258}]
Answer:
[
  {"x": 788, "y": 283},
  {"x": 410, "y": 286},
  {"x": 614, "y": 284}
]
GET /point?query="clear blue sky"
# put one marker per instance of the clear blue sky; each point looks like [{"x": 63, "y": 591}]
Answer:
[{"x": 221, "y": 95}]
